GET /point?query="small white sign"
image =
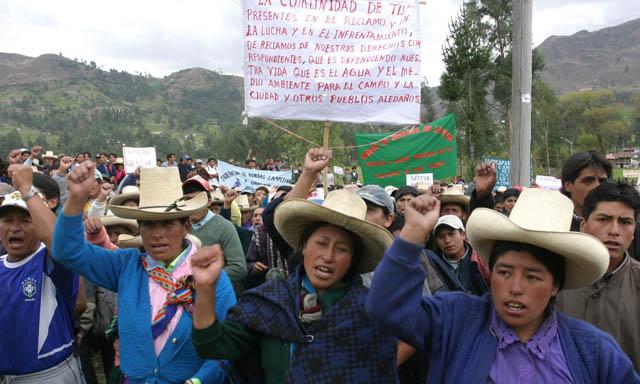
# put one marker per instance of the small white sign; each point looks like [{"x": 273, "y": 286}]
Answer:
[
  {"x": 631, "y": 173},
  {"x": 338, "y": 170},
  {"x": 138, "y": 156},
  {"x": 548, "y": 182},
  {"x": 423, "y": 178},
  {"x": 526, "y": 98}
]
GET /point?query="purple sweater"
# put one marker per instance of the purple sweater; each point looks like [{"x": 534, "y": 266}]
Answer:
[{"x": 454, "y": 328}]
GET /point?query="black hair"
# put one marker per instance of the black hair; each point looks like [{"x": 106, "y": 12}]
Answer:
[
  {"x": 397, "y": 223},
  {"x": 576, "y": 163},
  {"x": 182, "y": 220},
  {"x": 358, "y": 246},
  {"x": 47, "y": 186},
  {"x": 552, "y": 261},
  {"x": 286, "y": 188},
  {"x": 192, "y": 187},
  {"x": 211, "y": 158},
  {"x": 170, "y": 154},
  {"x": 406, "y": 190},
  {"x": 620, "y": 192},
  {"x": 511, "y": 192}
]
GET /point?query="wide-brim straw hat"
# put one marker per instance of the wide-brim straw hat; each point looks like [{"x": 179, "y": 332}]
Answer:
[
  {"x": 129, "y": 241},
  {"x": 49, "y": 155},
  {"x": 130, "y": 192},
  {"x": 217, "y": 197},
  {"x": 455, "y": 195},
  {"x": 341, "y": 208},
  {"x": 111, "y": 220},
  {"x": 161, "y": 197},
  {"x": 542, "y": 218},
  {"x": 119, "y": 160}
]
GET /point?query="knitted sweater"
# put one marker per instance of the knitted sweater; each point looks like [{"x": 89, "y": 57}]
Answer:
[
  {"x": 220, "y": 231},
  {"x": 453, "y": 328}
]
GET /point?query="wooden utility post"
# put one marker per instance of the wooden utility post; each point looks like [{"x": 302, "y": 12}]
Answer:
[{"x": 521, "y": 93}]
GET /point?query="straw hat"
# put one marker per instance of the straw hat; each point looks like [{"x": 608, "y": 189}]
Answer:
[
  {"x": 217, "y": 197},
  {"x": 542, "y": 218},
  {"x": 128, "y": 241},
  {"x": 455, "y": 195},
  {"x": 130, "y": 192},
  {"x": 243, "y": 202},
  {"x": 119, "y": 160},
  {"x": 161, "y": 197},
  {"x": 341, "y": 208},
  {"x": 49, "y": 155},
  {"x": 111, "y": 220}
]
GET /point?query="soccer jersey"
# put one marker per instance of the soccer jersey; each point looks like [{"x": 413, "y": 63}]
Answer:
[{"x": 37, "y": 304}]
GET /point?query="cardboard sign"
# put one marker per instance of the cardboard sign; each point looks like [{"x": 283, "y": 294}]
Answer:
[
  {"x": 353, "y": 61},
  {"x": 548, "y": 182},
  {"x": 238, "y": 177},
  {"x": 422, "y": 178},
  {"x": 134, "y": 157}
]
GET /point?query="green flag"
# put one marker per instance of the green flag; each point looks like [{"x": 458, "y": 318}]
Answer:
[{"x": 429, "y": 148}]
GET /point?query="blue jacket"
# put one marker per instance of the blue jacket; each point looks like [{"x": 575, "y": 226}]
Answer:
[
  {"x": 453, "y": 328},
  {"x": 120, "y": 271}
]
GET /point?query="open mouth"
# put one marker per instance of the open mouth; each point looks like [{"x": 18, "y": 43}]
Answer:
[
  {"x": 612, "y": 245},
  {"x": 15, "y": 241},
  {"x": 324, "y": 271},
  {"x": 158, "y": 247},
  {"x": 515, "y": 307}
]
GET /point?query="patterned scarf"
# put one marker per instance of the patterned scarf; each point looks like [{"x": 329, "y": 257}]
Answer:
[
  {"x": 310, "y": 307},
  {"x": 178, "y": 293},
  {"x": 342, "y": 346}
]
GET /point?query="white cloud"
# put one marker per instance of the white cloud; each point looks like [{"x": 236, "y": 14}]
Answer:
[{"x": 161, "y": 37}]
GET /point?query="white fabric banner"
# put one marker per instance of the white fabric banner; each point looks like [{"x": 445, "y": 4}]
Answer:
[
  {"x": 138, "y": 156},
  {"x": 232, "y": 176},
  {"x": 339, "y": 60}
]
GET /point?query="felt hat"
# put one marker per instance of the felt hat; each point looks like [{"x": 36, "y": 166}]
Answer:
[
  {"x": 341, "y": 208},
  {"x": 161, "y": 197},
  {"x": 455, "y": 195},
  {"x": 541, "y": 218}
]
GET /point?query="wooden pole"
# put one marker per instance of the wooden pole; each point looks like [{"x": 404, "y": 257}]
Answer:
[{"x": 325, "y": 144}]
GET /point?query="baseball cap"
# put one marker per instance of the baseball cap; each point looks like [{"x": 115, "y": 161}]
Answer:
[
  {"x": 375, "y": 194},
  {"x": 185, "y": 157},
  {"x": 198, "y": 181},
  {"x": 199, "y": 161},
  {"x": 450, "y": 221},
  {"x": 13, "y": 200}
]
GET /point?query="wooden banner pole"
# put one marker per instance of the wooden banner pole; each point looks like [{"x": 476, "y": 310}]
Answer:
[{"x": 325, "y": 144}]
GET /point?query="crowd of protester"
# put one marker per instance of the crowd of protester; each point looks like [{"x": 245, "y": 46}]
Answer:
[{"x": 169, "y": 277}]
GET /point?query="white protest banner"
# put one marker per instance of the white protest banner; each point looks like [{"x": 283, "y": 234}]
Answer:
[
  {"x": 350, "y": 60},
  {"x": 232, "y": 176},
  {"x": 414, "y": 179},
  {"x": 548, "y": 182},
  {"x": 134, "y": 157},
  {"x": 631, "y": 173},
  {"x": 338, "y": 170}
]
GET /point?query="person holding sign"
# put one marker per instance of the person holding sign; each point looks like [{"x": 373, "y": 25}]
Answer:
[
  {"x": 311, "y": 327},
  {"x": 514, "y": 334}
]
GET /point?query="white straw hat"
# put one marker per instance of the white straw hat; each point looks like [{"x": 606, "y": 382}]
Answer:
[{"x": 542, "y": 218}]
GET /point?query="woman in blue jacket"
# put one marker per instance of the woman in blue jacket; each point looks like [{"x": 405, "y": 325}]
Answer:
[
  {"x": 155, "y": 290},
  {"x": 513, "y": 334}
]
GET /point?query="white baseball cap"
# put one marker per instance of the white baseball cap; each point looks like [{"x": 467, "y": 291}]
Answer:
[
  {"x": 13, "y": 199},
  {"x": 450, "y": 221}
]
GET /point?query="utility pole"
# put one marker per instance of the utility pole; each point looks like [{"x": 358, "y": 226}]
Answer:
[{"x": 520, "y": 171}]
